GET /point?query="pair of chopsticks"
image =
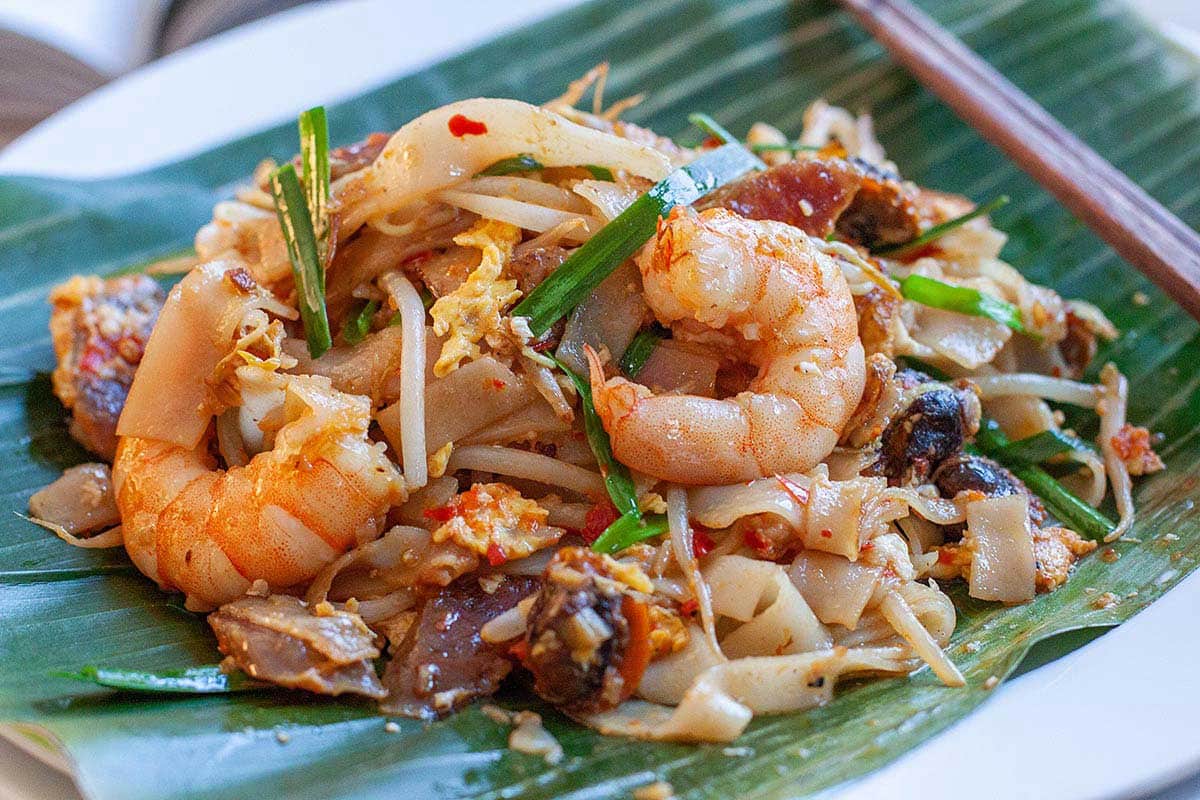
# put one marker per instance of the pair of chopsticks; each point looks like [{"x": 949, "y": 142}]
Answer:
[{"x": 1135, "y": 224}]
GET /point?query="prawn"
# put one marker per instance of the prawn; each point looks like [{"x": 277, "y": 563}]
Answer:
[
  {"x": 763, "y": 289},
  {"x": 313, "y": 486}
]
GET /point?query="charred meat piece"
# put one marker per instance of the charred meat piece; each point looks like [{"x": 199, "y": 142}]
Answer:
[
  {"x": 930, "y": 430},
  {"x": 282, "y": 640},
  {"x": 982, "y": 477},
  {"x": 533, "y": 266},
  {"x": 1078, "y": 348},
  {"x": 820, "y": 195},
  {"x": 588, "y": 635},
  {"x": 883, "y": 210},
  {"x": 353, "y": 157},
  {"x": 99, "y": 329},
  {"x": 442, "y": 663},
  {"x": 809, "y": 194}
]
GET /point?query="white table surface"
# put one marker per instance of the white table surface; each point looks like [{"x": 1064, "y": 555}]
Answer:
[{"x": 1009, "y": 748}]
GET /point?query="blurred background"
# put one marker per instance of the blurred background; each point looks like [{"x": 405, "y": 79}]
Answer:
[{"x": 53, "y": 52}]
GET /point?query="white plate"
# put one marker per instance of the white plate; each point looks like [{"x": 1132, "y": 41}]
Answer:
[{"x": 1046, "y": 735}]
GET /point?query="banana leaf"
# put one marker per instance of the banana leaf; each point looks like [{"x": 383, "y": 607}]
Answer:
[{"x": 1095, "y": 65}]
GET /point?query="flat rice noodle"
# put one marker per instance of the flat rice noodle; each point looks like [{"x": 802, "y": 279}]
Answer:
[
  {"x": 666, "y": 680},
  {"x": 968, "y": 341},
  {"x": 933, "y": 608},
  {"x": 1003, "y": 566},
  {"x": 785, "y": 627},
  {"x": 724, "y": 698},
  {"x": 1020, "y": 415},
  {"x": 470, "y": 397},
  {"x": 370, "y": 368},
  {"x": 435, "y": 494},
  {"x": 838, "y": 515},
  {"x": 431, "y": 152},
  {"x": 529, "y": 422},
  {"x": 837, "y": 590},
  {"x": 372, "y": 253},
  {"x": 194, "y": 332},
  {"x": 775, "y": 618},
  {"x": 404, "y": 557},
  {"x": 608, "y": 198},
  {"x": 680, "y": 367},
  {"x": 607, "y": 319},
  {"x": 720, "y": 506},
  {"x": 442, "y": 663}
]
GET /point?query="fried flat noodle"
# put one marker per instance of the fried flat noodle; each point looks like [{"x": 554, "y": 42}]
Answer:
[
  {"x": 442, "y": 663},
  {"x": 281, "y": 640}
]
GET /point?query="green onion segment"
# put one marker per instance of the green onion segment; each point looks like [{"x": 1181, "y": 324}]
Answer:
[
  {"x": 786, "y": 147},
  {"x": 620, "y": 486},
  {"x": 940, "y": 230},
  {"x": 600, "y": 173},
  {"x": 1042, "y": 447},
  {"x": 629, "y": 529},
  {"x": 639, "y": 350},
  {"x": 1069, "y": 509},
  {"x": 522, "y": 162},
  {"x": 358, "y": 324},
  {"x": 307, "y": 267},
  {"x": 618, "y": 240},
  {"x": 314, "y": 162},
  {"x": 961, "y": 299}
]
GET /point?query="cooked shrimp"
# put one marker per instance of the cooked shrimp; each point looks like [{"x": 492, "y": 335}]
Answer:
[
  {"x": 761, "y": 286},
  {"x": 314, "y": 486}
]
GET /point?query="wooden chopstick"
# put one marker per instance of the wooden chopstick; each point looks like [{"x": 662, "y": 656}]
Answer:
[{"x": 1135, "y": 224}]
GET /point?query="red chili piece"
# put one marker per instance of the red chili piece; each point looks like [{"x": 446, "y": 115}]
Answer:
[
  {"x": 461, "y": 126},
  {"x": 702, "y": 543},
  {"x": 598, "y": 518}
]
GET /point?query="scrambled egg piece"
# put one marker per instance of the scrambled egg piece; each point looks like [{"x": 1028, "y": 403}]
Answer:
[
  {"x": 474, "y": 310},
  {"x": 1056, "y": 550},
  {"x": 668, "y": 632},
  {"x": 495, "y": 521}
]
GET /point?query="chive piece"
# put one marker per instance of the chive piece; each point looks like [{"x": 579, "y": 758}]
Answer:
[
  {"x": 961, "y": 299},
  {"x": 629, "y": 530},
  {"x": 713, "y": 128},
  {"x": 638, "y": 352},
  {"x": 937, "y": 231},
  {"x": 620, "y": 486},
  {"x": 314, "y": 158},
  {"x": 358, "y": 325},
  {"x": 427, "y": 298},
  {"x": 1042, "y": 447},
  {"x": 1069, "y": 509},
  {"x": 600, "y": 173},
  {"x": 192, "y": 680},
  {"x": 618, "y": 240},
  {"x": 507, "y": 166},
  {"x": 786, "y": 147},
  {"x": 717, "y": 131},
  {"x": 296, "y": 224}
]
